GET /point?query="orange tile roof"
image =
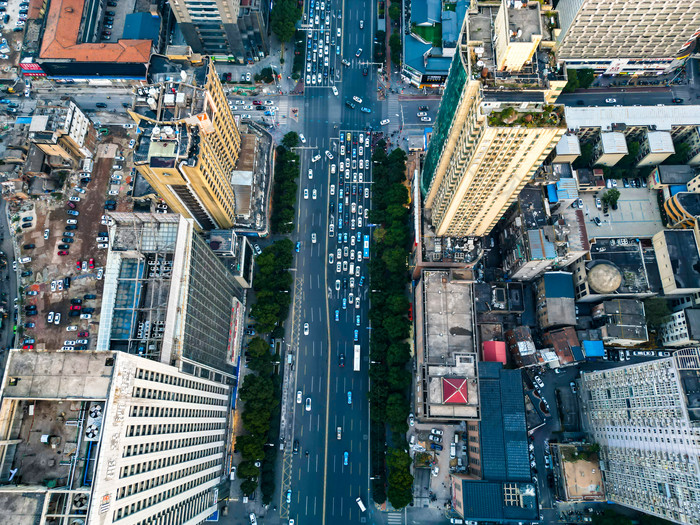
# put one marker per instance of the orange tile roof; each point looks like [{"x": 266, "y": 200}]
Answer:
[{"x": 61, "y": 36}]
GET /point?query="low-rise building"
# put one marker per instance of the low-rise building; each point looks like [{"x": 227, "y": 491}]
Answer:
[
  {"x": 498, "y": 485},
  {"x": 682, "y": 209},
  {"x": 681, "y": 329},
  {"x": 64, "y": 131},
  {"x": 555, "y": 300},
  {"x": 678, "y": 259},
  {"x": 565, "y": 344},
  {"x": 667, "y": 175},
  {"x": 622, "y": 322},
  {"x": 654, "y": 148},
  {"x": 522, "y": 347},
  {"x": 609, "y": 149},
  {"x": 568, "y": 149}
]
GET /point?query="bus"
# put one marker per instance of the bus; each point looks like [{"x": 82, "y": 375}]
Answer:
[
  {"x": 356, "y": 360},
  {"x": 360, "y": 504},
  {"x": 365, "y": 247}
]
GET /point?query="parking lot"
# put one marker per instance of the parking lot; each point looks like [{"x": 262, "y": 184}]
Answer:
[
  {"x": 63, "y": 265},
  {"x": 637, "y": 214}
]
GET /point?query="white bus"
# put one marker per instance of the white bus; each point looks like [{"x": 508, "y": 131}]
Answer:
[
  {"x": 356, "y": 360},
  {"x": 361, "y": 505}
]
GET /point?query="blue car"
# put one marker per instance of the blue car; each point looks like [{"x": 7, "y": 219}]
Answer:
[
  {"x": 298, "y": 246},
  {"x": 337, "y": 315},
  {"x": 345, "y": 458},
  {"x": 349, "y": 397},
  {"x": 75, "y": 213},
  {"x": 340, "y": 224},
  {"x": 357, "y": 333},
  {"x": 345, "y": 303},
  {"x": 362, "y": 281},
  {"x": 269, "y": 113},
  {"x": 357, "y": 320},
  {"x": 359, "y": 237}
]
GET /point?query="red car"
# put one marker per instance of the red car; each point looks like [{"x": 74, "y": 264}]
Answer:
[
  {"x": 71, "y": 205},
  {"x": 28, "y": 347},
  {"x": 91, "y": 263},
  {"x": 63, "y": 252},
  {"x": 83, "y": 334},
  {"x": 257, "y": 103},
  {"x": 78, "y": 265},
  {"x": 75, "y": 307}
]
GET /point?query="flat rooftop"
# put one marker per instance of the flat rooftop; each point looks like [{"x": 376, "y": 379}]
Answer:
[
  {"x": 523, "y": 21},
  {"x": 629, "y": 259},
  {"x": 663, "y": 117}
]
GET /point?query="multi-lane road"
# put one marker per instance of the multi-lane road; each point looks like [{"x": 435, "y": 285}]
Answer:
[{"x": 331, "y": 469}]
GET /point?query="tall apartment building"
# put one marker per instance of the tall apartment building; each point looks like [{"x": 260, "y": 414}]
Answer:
[
  {"x": 190, "y": 142},
  {"x": 485, "y": 147},
  {"x": 108, "y": 437},
  {"x": 646, "y": 419},
  {"x": 168, "y": 297},
  {"x": 63, "y": 131},
  {"x": 615, "y": 36},
  {"x": 225, "y": 27}
]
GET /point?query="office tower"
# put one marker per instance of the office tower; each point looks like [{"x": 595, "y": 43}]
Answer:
[
  {"x": 225, "y": 27},
  {"x": 107, "y": 437},
  {"x": 480, "y": 158},
  {"x": 646, "y": 419},
  {"x": 614, "y": 36},
  {"x": 189, "y": 142},
  {"x": 168, "y": 297}
]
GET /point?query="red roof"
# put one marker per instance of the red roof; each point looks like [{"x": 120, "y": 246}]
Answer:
[
  {"x": 454, "y": 391},
  {"x": 495, "y": 351}
]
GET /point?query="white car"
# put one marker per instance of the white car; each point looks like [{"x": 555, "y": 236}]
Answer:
[
  {"x": 329, "y": 155},
  {"x": 342, "y": 152},
  {"x": 308, "y": 405},
  {"x": 385, "y": 122},
  {"x": 314, "y": 194},
  {"x": 313, "y": 238},
  {"x": 316, "y": 158},
  {"x": 610, "y": 100},
  {"x": 46, "y": 233},
  {"x": 74, "y": 199},
  {"x": 338, "y": 269},
  {"x": 302, "y": 138},
  {"x": 57, "y": 318},
  {"x": 342, "y": 164},
  {"x": 306, "y": 193},
  {"x": 71, "y": 221},
  {"x": 306, "y": 328},
  {"x": 335, "y": 89},
  {"x": 311, "y": 173},
  {"x": 332, "y": 189},
  {"x": 299, "y": 396},
  {"x": 332, "y": 169},
  {"x": 71, "y": 328},
  {"x": 83, "y": 316},
  {"x": 362, "y": 166},
  {"x": 357, "y": 99}
]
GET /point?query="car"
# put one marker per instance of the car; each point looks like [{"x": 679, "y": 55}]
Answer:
[
  {"x": 26, "y": 273},
  {"x": 329, "y": 155},
  {"x": 29, "y": 325},
  {"x": 345, "y": 303},
  {"x": 85, "y": 316},
  {"x": 57, "y": 318},
  {"x": 84, "y": 334},
  {"x": 299, "y": 396},
  {"x": 63, "y": 252},
  {"x": 257, "y": 249},
  {"x": 349, "y": 397},
  {"x": 539, "y": 382},
  {"x": 32, "y": 293},
  {"x": 573, "y": 385},
  {"x": 677, "y": 100},
  {"x": 306, "y": 328},
  {"x": 357, "y": 99},
  {"x": 610, "y": 100},
  {"x": 349, "y": 104},
  {"x": 598, "y": 204},
  {"x": 297, "y": 247},
  {"x": 358, "y": 52},
  {"x": 434, "y": 438},
  {"x": 426, "y": 119},
  {"x": 307, "y": 407},
  {"x": 597, "y": 221},
  {"x": 71, "y": 222},
  {"x": 580, "y": 203},
  {"x": 435, "y": 446},
  {"x": 63, "y": 247},
  {"x": 356, "y": 336},
  {"x": 306, "y": 193},
  {"x": 436, "y": 432},
  {"x": 345, "y": 458},
  {"x": 365, "y": 110},
  {"x": 384, "y": 122},
  {"x": 316, "y": 158}
]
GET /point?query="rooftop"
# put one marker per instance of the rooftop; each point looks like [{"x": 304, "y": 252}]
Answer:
[
  {"x": 685, "y": 261},
  {"x": 660, "y": 142},
  {"x": 558, "y": 284},
  {"x": 487, "y": 500},
  {"x": 568, "y": 145},
  {"x": 565, "y": 344},
  {"x": 689, "y": 201},
  {"x": 623, "y": 319},
  {"x": 545, "y": 117},
  {"x": 63, "y": 28},
  {"x": 674, "y": 173},
  {"x": 625, "y": 264},
  {"x": 663, "y": 117},
  {"x": 613, "y": 142},
  {"x": 524, "y": 20}
]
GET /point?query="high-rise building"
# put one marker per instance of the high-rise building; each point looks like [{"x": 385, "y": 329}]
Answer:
[
  {"x": 108, "y": 437},
  {"x": 486, "y": 144},
  {"x": 614, "y": 36},
  {"x": 646, "y": 419},
  {"x": 225, "y": 27},
  {"x": 64, "y": 131},
  {"x": 168, "y": 297},
  {"x": 189, "y": 142}
]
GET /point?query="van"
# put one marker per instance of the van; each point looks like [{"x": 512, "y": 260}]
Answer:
[
  {"x": 352, "y": 268},
  {"x": 456, "y": 438},
  {"x": 453, "y": 450},
  {"x": 360, "y": 504}
]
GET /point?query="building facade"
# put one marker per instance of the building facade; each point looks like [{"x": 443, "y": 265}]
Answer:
[
  {"x": 64, "y": 131},
  {"x": 190, "y": 142},
  {"x": 146, "y": 443},
  {"x": 168, "y": 297},
  {"x": 681, "y": 329},
  {"x": 614, "y": 36},
  {"x": 225, "y": 27},
  {"x": 645, "y": 418}
]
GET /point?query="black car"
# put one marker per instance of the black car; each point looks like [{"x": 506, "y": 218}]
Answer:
[
  {"x": 76, "y": 301},
  {"x": 71, "y": 226},
  {"x": 89, "y": 296},
  {"x": 365, "y": 71},
  {"x": 88, "y": 310},
  {"x": 67, "y": 239},
  {"x": 74, "y": 313},
  {"x": 345, "y": 283},
  {"x": 26, "y": 273},
  {"x": 260, "y": 108},
  {"x": 100, "y": 105},
  {"x": 110, "y": 13},
  {"x": 30, "y": 307},
  {"x": 66, "y": 282},
  {"x": 341, "y": 360},
  {"x": 29, "y": 246},
  {"x": 422, "y": 108},
  {"x": 296, "y": 446},
  {"x": 31, "y": 313},
  {"x": 63, "y": 247},
  {"x": 349, "y": 104},
  {"x": 111, "y": 4},
  {"x": 27, "y": 225},
  {"x": 29, "y": 325},
  {"x": 332, "y": 207}
]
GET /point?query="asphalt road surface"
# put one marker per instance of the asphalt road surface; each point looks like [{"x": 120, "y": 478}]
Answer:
[{"x": 325, "y": 483}]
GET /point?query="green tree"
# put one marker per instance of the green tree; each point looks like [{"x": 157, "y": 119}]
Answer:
[
  {"x": 400, "y": 480},
  {"x": 248, "y": 487},
  {"x": 247, "y": 469},
  {"x": 285, "y": 14},
  {"x": 250, "y": 447},
  {"x": 395, "y": 46},
  {"x": 656, "y": 311},
  {"x": 290, "y": 140},
  {"x": 586, "y": 77},
  {"x": 572, "y": 83},
  {"x": 397, "y": 410},
  {"x": 611, "y": 517},
  {"x": 611, "y": 196},
  {"x": 395, "y": 11},
  {"x": 399, "y": 379}
]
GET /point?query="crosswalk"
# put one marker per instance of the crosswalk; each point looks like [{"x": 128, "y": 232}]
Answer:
[
  {"x": 394, "y": 107},
  {"x": 394, "y": 518}
]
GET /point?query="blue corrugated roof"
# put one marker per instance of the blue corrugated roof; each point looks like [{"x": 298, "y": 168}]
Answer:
[
  {"x": 482, "y": 500},
  {"x": 449, "y": 28},
  {"x": 23, "y": 120},
  {"x": 141, "y": 26},
  {"x": 552, "y": 193},
  {"x": 567, "y": 188},
  {"x": 540, "y": 247},
  {"x": 677, "y": 188},
  {"x": 426, "y": 11},
  {"x": 503, "y": 426},
  {"x": 558, "y": 284},
  {"x": 577, "y": 353},
  {"x": 593, "y": 348}
]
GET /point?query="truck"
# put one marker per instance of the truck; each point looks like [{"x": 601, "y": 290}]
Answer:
[{"x": 356, "y": 358}]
